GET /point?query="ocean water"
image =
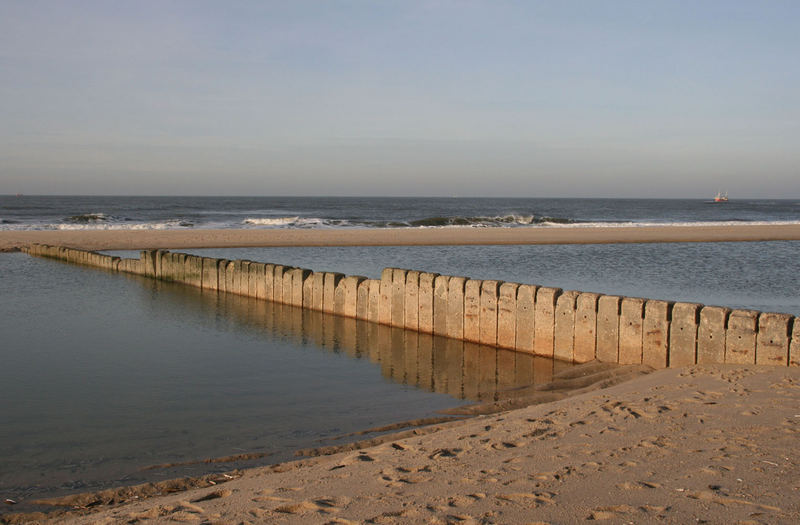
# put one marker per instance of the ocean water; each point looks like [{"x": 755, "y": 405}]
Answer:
[
  {"x": 70, "y": 212},
  {"x": 105, "y": 374}
]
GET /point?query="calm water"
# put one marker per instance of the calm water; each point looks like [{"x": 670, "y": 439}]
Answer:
[{"x": 105, "y": 374}]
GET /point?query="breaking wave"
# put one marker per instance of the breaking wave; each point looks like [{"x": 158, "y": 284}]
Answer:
[
  {"x": 166, "y": 225},
  {"x": 254, "y": 219},
  {"x": 271, "y": 221},
  {"x": 502, "y": 220},
  {"x": 428, "y": 222},
  {"x": 87, "y": 218},
  {"x": 292, "y": 222}
]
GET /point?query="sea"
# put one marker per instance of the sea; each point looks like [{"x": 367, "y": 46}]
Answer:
[
  {"x": 109, "y": 379},
  {"x": 83, "y": 213}
]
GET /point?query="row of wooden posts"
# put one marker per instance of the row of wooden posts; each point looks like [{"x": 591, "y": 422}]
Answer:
[{"x": 567, "y": 325}]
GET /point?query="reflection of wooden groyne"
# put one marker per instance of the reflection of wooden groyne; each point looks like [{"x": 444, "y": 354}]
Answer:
[
  {"x": 437, "y": 364},
  {"x": 567, "y": 325}
]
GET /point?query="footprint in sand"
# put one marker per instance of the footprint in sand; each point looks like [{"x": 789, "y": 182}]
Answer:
[
  {"x": 650, "y": 484},
  {"x": 532, "y": 499},
  {"x": 392, "y": 516},
  {"x": 619, "y": 409},
  {"x": 460, "y": 501},
  {"x": 258, "y": 512},
  {"x": 217, "y": 494},
  {"x": 149, "y": 514},
  {"x": 445, "y": 453},
  {"x": 184, "y": 511},
  {"x": 321, "y": 505},
  {"x": 400, "y": 476},
  {"x": 276, "y": 499},
  {"x": 727, "y": 501},
  {"x": 353, "y": 458},
  {"x": 505, "y": 445},
  {"x": 609, "y": 512},
  {"x": 540, "y": 432},
  {"x": 461, "y": 519}
]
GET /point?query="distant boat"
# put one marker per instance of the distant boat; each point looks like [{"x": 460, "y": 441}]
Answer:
[{"x": 721, "y": 197}]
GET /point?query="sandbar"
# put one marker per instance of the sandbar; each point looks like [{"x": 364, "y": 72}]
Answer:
[{"x": 229, "y": 238}]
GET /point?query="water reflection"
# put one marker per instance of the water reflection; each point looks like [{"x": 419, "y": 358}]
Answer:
[
  {"x": 463, "y": 370},
  {"x": 129, "y": 372}
]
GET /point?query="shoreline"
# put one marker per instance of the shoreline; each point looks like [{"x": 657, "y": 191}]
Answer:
[
  {"x": 569, "y": 382},
  {"x": 715, "y": 443},
  {"x": 241, "y": 238}
]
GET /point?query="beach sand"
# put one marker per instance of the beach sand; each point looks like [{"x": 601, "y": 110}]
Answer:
[
  {"x": 716, "y": 444},
  {"x": 182, "y": 239}
]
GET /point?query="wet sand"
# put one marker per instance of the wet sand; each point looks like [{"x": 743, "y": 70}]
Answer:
[
  {"x": 182, "y": 239},
  {"x": 718, "y": 444}
]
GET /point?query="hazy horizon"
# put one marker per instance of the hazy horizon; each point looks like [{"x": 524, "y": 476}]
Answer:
[
  {"x": 704, "y": 198},
  {"x": 442, "y": 98}
]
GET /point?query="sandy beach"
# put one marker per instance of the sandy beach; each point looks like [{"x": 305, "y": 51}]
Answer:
[
  {"x": 201, "y": 238},
  {"x": 423, "y": 262},
  {"x": 701, "y": 444}
]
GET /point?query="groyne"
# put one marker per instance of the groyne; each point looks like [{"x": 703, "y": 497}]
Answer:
[{"x": 568, "y": 325}]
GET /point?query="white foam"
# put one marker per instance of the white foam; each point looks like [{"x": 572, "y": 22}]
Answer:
[
  {"x": 270, "y": 221},
  {"x": 523, "y": 219},
  {"x": 297, "y": 222},
  {"x": 293, "y": 222},
  {"x": 167, "y": 225},
  {"x": 511, "y": 218}
]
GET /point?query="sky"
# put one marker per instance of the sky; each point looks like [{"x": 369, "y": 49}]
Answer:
[{"x": 441, "y": 98}]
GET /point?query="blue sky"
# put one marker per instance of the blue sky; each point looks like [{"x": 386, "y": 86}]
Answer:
[{"x": 469, "y": 98}]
